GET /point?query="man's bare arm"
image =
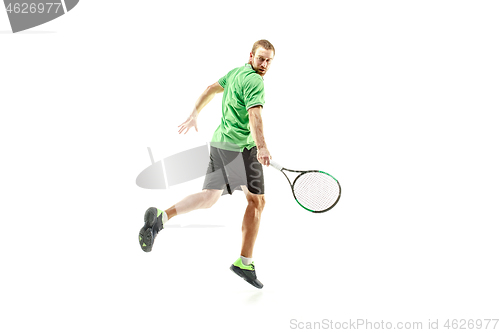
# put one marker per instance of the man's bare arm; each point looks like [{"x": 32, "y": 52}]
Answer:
[
  {"x": 257, "y": 130},
  {"x": 206, "y": 97},
  {"x": 200, "y": 103}
]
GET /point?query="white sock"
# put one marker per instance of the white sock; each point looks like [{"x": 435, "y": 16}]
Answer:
[
  {"x": 246, "y": 261},
  {"x": 164, "y": 218}
]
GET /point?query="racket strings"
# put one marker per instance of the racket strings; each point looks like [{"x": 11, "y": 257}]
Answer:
[{"x": 316, "y": 191}]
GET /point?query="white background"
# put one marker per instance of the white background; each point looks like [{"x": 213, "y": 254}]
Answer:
[{"x": 396, "y": 99}]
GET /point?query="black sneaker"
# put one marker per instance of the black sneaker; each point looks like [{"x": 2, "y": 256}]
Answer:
[
  {"x": 153, "y": 223},
  {"x": 246, "y": 272}
]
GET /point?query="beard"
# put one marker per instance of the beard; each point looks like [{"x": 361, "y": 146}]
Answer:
[{"x": 259, "y": 71}]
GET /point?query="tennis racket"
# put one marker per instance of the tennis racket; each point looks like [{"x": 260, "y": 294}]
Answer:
[{"x": 314, "y": 190}]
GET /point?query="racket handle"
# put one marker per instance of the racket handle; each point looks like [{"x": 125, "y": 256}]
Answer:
[{"x": 276, "y": 165}]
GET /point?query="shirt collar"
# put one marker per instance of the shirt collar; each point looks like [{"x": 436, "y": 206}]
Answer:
[{"x": 247, "y": 65}]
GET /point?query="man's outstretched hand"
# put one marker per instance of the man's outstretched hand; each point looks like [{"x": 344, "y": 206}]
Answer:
[{"x": 190, "y": 122}]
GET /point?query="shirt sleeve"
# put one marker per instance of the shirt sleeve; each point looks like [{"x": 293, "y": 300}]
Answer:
[
  {"x": 222, "y": 81},
  {"x": 254, "y": 92}
]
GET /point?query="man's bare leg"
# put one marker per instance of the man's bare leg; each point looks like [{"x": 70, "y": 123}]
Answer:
[
  {"x": 201, "y": 200},
  {"x": 243, "y": 266},
  {"x": 251, "y": 221}
]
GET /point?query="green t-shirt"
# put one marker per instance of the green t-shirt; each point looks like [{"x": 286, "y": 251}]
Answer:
[{"x": 243, "y": 89}]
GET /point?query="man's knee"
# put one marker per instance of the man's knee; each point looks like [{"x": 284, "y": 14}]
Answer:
[
  {"x": 258, "y": 201},
  {"x": 211, "y": 197}
]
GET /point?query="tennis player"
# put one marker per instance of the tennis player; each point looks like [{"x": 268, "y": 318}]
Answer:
[{"x": 237, "y": 152}]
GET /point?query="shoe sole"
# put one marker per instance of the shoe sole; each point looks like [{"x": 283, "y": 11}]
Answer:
[
  {"x": 146, "y": 233},
  {"x": 238, "y": 271}
]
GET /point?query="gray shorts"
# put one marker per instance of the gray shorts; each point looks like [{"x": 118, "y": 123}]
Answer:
[{"x": 229, "y": 170}]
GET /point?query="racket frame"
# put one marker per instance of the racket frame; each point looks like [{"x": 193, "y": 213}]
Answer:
[{"x": 277, "y": 166}]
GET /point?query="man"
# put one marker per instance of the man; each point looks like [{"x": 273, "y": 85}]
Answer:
[{"x": 237, "y": 153}]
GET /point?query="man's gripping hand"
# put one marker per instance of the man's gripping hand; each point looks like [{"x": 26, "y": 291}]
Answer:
[{"x": 263, "y": 156}]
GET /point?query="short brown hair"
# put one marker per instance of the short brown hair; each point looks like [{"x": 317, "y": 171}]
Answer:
[{"x": 265, "y": 44}]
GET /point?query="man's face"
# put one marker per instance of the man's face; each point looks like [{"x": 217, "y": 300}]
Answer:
[{"x": 261, "y": 60}]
